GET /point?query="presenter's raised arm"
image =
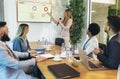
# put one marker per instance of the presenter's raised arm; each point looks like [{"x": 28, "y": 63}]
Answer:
[{"x": 54, "y": 20}]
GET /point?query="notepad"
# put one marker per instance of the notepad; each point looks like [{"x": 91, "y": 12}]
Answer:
[{"x": 47, "y": 55}]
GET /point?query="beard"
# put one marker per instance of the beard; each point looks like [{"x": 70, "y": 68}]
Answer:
[
  {"x": 5, "y": 38},
  {"x": 106, "y": 31}
]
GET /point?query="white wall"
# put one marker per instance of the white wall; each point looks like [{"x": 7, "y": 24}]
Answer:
[
  {"x": 10, "y": 16},
  {"x": 37, "y": 30},
  {"x": 99, "y": 16}
]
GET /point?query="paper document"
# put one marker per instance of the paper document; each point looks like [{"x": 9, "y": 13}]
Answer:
[{"x": 47, "y": 55}]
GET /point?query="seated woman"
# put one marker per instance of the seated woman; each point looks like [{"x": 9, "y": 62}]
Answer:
[
  {"x": 91, "y": 42},
  {"x": 20, "y": 43}
]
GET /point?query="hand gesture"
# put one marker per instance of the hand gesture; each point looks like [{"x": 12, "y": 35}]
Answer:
[
  {"x": 97, "y": 51},
  {"x": 49, "y": 14},
  {"x": 33, "y": 53},
  {"x": 40, "y": 58},
  {"x": 60, "y": 21}
]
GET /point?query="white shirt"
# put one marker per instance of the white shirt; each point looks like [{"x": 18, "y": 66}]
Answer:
[
  {"x": 90, "y": 45},
  {"x": 112, "y": 36}
]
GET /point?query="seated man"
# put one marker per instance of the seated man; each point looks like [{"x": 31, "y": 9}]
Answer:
[
  {"x": 111, "y": 56},
  {"x": 10, "y": 65}
]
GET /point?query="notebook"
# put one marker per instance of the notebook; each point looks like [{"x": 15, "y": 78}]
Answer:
[
  {"x": 40, "y": 50},
  {"x": 63, "y": 71},
  {"x": 90, "y": 64}
]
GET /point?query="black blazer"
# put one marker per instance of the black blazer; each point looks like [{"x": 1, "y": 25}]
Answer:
[{"x": 111, "y": 57}]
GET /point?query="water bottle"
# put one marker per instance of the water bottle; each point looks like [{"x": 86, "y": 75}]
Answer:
[
  {"x": 38, "y": 44},
  {"x": 62, "y": 48},
  {"x": 46, "y": 43},
  {"x": 69, "y": 45},
  {"x": 68, "y": 54},
  {"x": 118, "y": 73},
  {"x": 43, "y": 41}
]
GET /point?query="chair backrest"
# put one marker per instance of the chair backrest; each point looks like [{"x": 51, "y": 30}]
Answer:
[
  {"x": 102, "y": 46},
  {"x": 59, "y": 41}
]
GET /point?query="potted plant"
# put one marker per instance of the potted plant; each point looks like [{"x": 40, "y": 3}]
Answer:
[{"x": 78, "y": 11}]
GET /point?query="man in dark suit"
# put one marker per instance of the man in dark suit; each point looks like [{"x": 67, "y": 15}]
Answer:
[{"x": 111, "y": 57}]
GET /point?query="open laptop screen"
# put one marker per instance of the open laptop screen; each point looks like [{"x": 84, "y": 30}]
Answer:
[{"x": 91, "y": 64}]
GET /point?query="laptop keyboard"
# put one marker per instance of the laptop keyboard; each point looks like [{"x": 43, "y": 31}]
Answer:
[{"x": 92, "y": 65}]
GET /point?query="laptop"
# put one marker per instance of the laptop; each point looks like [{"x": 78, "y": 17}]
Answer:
[
  {"x": 63, "y": 71},
  {"x": 88, "y": 63}
]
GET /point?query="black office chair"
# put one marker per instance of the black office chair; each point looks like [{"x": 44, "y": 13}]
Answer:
[
  {"x": 102, "y": 46},
  {"x": 59, "y": 41}
]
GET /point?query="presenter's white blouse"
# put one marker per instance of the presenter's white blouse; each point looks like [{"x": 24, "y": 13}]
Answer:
[{"x": 65, "y": 29}]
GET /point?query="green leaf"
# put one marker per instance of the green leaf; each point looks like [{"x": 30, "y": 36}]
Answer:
[{"x": 78, "y": 11}]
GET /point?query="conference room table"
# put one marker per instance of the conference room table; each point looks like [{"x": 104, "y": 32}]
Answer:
[{"x": 84, "y": 72}]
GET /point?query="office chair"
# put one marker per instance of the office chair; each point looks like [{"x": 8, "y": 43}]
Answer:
[
  {"x": 59, "y": 41},
  {"x": 102, "y": 46}
]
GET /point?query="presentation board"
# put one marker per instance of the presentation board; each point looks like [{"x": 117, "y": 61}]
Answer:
[{"x": 33, "y": 12}]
